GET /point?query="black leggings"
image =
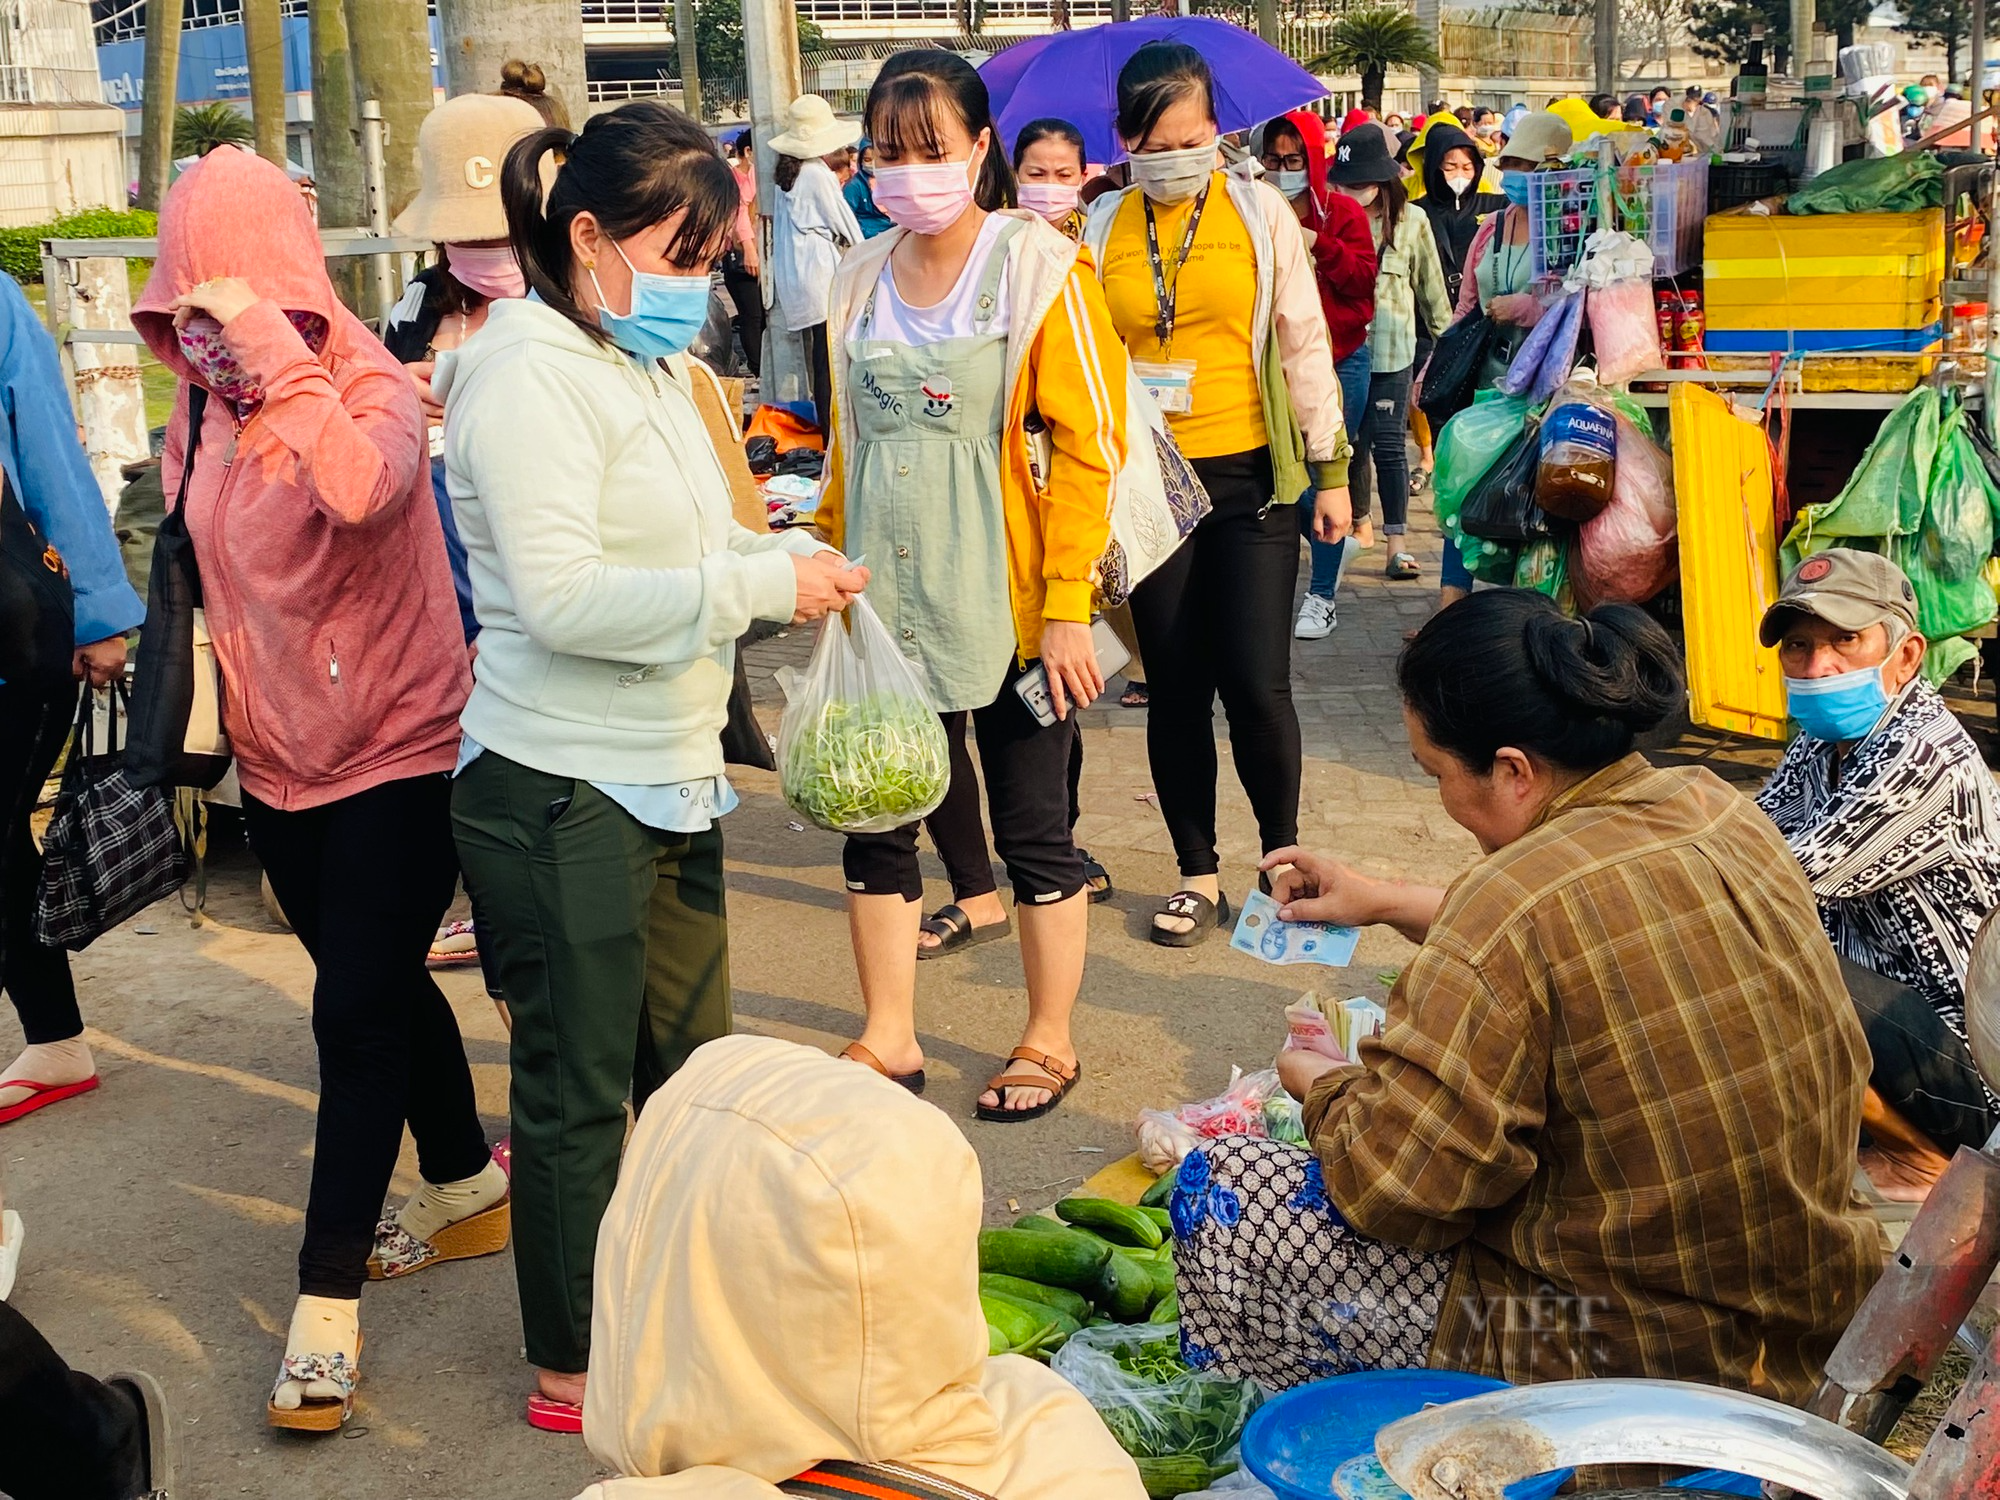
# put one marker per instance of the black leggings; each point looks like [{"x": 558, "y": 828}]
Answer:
[
  {"x": 37, "y": 979},
  {"x": 748, "y": 295},
  {"x": 364, "y": 881},
  {"x": 63, "y": 1435},
  {"x": 1217, "y": 618},
  {"x": 957, "y": 829},
  {"x": 1027, "y": 769},
  {"x": 819, "y": 368}
]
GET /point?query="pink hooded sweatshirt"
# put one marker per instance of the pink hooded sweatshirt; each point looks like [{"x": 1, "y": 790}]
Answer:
[{"x": 322, "y": 558}]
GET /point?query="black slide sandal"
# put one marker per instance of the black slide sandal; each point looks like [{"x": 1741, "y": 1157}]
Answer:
[
  {"x": 1206, "y": 915},
  {"x": 954, "y": 930},
  {"x": 1096, "y": 879}
]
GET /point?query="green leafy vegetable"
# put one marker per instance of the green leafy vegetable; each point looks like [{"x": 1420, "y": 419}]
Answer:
[{"x": 865, "y": 765}]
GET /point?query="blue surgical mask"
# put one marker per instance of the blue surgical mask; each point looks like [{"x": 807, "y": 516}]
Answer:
[
  {"x": 1515, "y": 186},
  {"x": 667, "y": 312},
  {"x": 1845, "y": 706}
]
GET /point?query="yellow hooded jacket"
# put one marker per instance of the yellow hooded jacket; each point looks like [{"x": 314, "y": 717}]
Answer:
[
  {"x": 1064, "y": 360},
  {"x": 788, "y": 1274}
]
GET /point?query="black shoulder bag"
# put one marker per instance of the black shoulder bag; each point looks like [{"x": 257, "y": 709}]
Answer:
[{"x": 37, "y": 605}]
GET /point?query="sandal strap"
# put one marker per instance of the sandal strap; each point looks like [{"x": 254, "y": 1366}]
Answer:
[
  {"x": 398, "y": 1251},
  {"x": 947, "y": 921},
  {"x": 1187, "y": 904},
  {"x": 855, "y": 1052},
  {"x": 1063, "y": 1073},
  {"x": 309, "y": 1368}
]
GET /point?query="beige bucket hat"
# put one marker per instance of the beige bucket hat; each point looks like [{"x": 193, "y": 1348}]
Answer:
[
  {"x": 812, "y": 129},
  {"x": 461, "y": 146}
]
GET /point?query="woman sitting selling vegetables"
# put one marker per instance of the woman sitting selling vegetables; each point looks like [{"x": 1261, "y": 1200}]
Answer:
[
  {"x": 955, "y": 330},
  {"x": 789, "y": 1282},
  {"x": 1610, "y": 1126}
]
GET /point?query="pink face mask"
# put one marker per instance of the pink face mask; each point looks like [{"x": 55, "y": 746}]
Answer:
[
  {"x": 927, "y": 198},
  {"x": 489, "y": 270},
  {"x": 1054, "y": 201},
  {"x": 216, "y": 366}
]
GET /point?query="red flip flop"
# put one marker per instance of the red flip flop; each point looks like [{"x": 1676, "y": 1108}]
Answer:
[
  {"x": 554, "y": 1416},
  {"x": 41, "y": 1094}
]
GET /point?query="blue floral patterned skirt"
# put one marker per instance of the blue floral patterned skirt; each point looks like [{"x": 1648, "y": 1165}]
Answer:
[{"x": 1275, "y": 1287}]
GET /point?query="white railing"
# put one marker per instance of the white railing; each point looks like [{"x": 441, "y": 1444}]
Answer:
[
  {"x": 628, "y": 13},
  {"x": 608, "y": 90}
]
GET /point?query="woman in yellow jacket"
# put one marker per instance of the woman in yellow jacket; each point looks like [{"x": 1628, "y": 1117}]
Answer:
[{"x": 956, "y": 331}]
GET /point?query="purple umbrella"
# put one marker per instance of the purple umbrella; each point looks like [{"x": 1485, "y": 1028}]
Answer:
[{"x": 1073, "y": 75}]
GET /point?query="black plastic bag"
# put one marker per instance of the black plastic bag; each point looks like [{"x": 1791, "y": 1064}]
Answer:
[
  {"x": 1501, "y": 507},
  {"x": 1457, "y": 361}
]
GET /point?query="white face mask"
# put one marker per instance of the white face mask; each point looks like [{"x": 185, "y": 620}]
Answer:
[
  {"x": 1291, "y": 184},
  {"x": 1458, "y": 182},
  {"x": 1173, "y": 176}
]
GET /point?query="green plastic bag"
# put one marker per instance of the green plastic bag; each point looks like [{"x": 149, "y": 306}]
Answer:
[
  {"x": 1887, "y": 492},
  {"x": 1544, "y": 567},
  {"x": 1945, "y": 606},
  {"x": 1467, "y": 446},
  {"x": 1488, "y": 562},
  {"x": 1957, "y": 534},
  {"x": 1878, "y": 185}
]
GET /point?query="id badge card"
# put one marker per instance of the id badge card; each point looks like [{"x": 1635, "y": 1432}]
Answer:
[{"x": 1170, "y": 382}]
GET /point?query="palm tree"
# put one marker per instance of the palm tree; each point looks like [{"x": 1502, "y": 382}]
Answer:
[
  {"x": 1370, "y": 41},
  {"x": 200, "y": 128}
]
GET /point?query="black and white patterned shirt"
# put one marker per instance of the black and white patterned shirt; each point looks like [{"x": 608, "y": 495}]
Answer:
[{"x": 1901, "y": 844}]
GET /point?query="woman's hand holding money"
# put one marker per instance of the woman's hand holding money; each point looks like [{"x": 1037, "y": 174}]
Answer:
[{"x": 1319, "y": 889}]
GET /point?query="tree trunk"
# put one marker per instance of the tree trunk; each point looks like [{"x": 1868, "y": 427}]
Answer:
[
  {"x": 690, "y": 50},
  {"x": 336, "y": 120},
  {"x": 156, "y": 120},
  {"x": 264, "y": 43},
  {"x": 1372, "y": 80},
  {"x": 392, "y": 65},
  {"x": 481, "y": 35},
  {"x": 1429, "y": 84},
  {"x": 1604, "y": 46}
]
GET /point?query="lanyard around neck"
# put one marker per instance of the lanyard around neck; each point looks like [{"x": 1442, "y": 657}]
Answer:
[{"x": 1167, "y": 297}]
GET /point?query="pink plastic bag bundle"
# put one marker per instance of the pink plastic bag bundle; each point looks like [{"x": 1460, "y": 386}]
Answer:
[
  {"x": 1624, "y": 330},
  {"x": 1627, "y": 553}
]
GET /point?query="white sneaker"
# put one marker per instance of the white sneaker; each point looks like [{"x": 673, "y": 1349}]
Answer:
[{"x": 1316, "y": 619}]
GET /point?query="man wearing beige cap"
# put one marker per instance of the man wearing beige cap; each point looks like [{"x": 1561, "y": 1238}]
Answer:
[{"x": 1886, "y": 803}]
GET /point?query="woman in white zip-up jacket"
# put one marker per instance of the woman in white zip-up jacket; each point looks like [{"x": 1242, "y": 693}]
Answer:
[
  {"x": 1211, "y": 287},
  {"x": 611, "y": 582}
]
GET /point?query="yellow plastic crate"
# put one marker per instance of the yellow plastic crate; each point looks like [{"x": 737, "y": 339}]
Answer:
[
  {"x": 1729, "y": 564},
  {"x": 1823, "y": 271}
]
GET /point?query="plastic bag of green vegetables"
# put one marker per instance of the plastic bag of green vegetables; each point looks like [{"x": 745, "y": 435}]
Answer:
[
  {"x": 860, "y": 749},
  {"x": 1178, "y": 1424}
]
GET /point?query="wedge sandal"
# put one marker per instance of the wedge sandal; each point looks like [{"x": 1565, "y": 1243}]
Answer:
[
  {"x": 398, "y": 1252},
  {"x": 318, "y": 1414},
  {"x": 1051, "y": 1075}
]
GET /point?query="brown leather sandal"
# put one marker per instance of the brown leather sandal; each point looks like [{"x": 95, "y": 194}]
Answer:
[
  {"x": 1055, "y": 1077},
  {"x": 855, "y": 1052}
]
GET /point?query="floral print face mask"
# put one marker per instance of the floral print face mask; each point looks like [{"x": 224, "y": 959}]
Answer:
[{"x": 216, "y": 366}]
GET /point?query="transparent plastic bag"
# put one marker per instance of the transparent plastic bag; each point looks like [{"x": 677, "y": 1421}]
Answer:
[
  {"x": 1545, "y": 359},
  {"x": 1179, "y": 1424},
  {"x": 1164, "y": 1138},
  {"x": 860, "y": 749}
]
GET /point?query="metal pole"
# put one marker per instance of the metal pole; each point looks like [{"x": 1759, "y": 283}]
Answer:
[
  {"x": 1976, "y": 64},
  {"x": 374, "y": 175}
]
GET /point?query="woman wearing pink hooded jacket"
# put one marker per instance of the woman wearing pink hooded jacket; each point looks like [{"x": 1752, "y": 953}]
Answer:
[{"x": 344, "y": 668}]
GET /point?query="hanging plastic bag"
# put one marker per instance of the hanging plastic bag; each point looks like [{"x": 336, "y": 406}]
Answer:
[
  {"x": 1548, "y": 354},
  {"x": 1945, "y": 606},
  {"x": 1501, "y": 507},
  {"x": 1957, "y": 533},
  {"x": 1543, "y": 566},
  {"x": 1886, "y": 494},
  {"x": 1628, "y": 553},
  {"x": 860, "y": 749},
  {"x": 1579, "y": 451},
  {"x": 1179, "y": 1424},
  {"x": 1488, "y": 562},
  {"x": 1467, "y": 446},
  {"x": 1616, "y": 274}
]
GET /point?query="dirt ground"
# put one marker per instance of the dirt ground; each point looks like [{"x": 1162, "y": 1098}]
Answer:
[{"x": 163, "y": 1211}]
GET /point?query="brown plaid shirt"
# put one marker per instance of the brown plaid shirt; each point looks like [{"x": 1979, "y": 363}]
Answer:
[{"x": 1623, "y": 1077}]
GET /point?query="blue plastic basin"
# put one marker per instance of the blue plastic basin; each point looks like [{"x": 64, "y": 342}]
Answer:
[{"x": 1297, "y": 1441}]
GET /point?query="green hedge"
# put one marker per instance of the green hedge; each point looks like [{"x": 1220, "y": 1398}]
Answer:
[{"x": 21, "y": 249}]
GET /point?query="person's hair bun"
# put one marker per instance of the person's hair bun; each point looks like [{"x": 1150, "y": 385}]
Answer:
[
  {"x": 524, "y": 77},
  {"x": 1615, "y": 662}
]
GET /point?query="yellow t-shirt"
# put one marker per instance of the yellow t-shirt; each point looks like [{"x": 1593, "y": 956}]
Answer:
[{"x": 1216, "y": 294}]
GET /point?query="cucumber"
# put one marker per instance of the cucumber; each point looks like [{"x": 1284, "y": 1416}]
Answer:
[
  {"x": 1068, "y": 1303},
  {"x": 1039, "y": 1224},
  {"x": 1013, "y": 1321},
  {"x": 1160, "y": 1217},
  {"x": 1182, "y": 1474},
  {"x": 1161, "y": 1273},
  {"x": 996, "y": 1341},
  {"x": 1056, "y": 1326},
  {"x": 1124, "y": 1288},
  {"x": 1166, "y": 1310},
  {"x": 1157, "y": 1195},
  {"x": 1063, "y": 1258},
  {"x": 1117, "y": 1222}
]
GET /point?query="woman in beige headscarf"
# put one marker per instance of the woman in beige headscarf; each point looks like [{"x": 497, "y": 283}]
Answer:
[{"x": 788, "y": 1275}]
